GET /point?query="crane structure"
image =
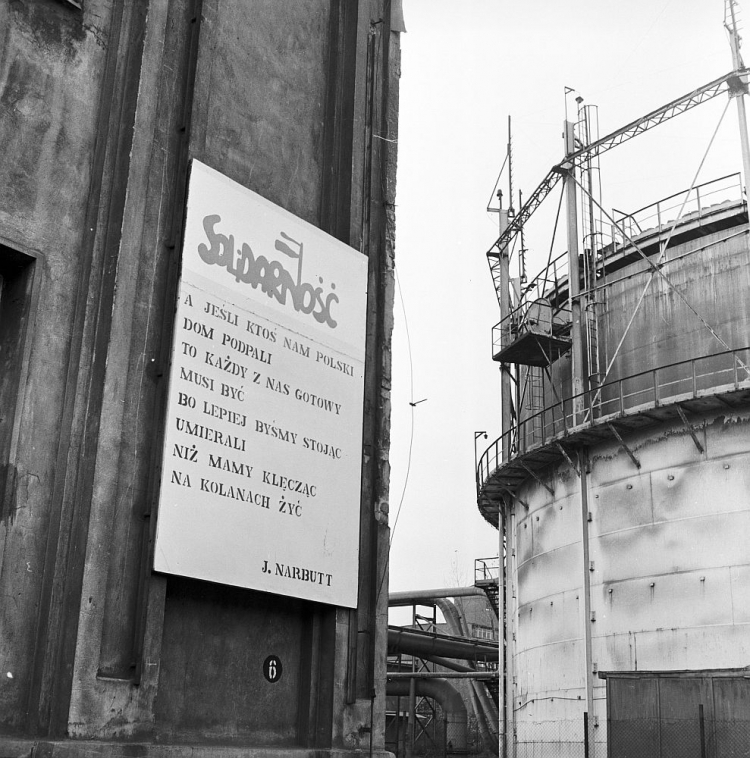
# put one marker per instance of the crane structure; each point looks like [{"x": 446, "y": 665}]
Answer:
[{"x": 733, "y": 83}]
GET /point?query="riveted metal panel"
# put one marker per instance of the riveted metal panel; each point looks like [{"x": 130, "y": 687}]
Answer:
[
  {"x": 686, "y": 545},
  {"x": 692, "y": 490},
  {"x": 615, "y": 650},
  {"x": 739, "y": 577},
  {"x": 620, "y": 506},
  {"x": 524, "y": 540},
  {"x": 550, "y": 573},
  {"x": 551, "y": 619},
  {"x": 550, "y": 667},
  {"x": 556, "y": 525},
  {"x": 677, "y": 649},
  {"x": 674, "y": 601},
  {"x": 548, "y": 528}
]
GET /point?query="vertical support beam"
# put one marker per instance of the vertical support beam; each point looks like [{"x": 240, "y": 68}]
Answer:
[
  {"x": 502, "y": 697},
  {"x": 738, "y": 90},
  {"x": 54, "y": 645},
  {"x": 399, "y": 745},
  {"x": 588, "y": 653},
  {"x": 574, "y": 280},
  {"x": 510, "y": 615},
  {"x": 742, "y": 117},
  {"x": 505, "y": 384},
  {"x": 412, "y": 723}
]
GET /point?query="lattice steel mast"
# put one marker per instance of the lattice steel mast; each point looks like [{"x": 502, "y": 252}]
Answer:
[{"x": 731, "y": 83}]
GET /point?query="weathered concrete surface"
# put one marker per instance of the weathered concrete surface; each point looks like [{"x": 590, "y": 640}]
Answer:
[
  {"x": 259, "y": 110},
  {"x": 211, "y": 685},
  {"x": 68, "y": 749},
  {"x": 257, "y": 116},
  {"x": 120, "y": 97},
  {"x": 51, "y": 67}
]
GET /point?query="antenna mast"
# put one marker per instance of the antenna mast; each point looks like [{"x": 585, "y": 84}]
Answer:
[
  {"x": 511, "y": 211},
  {"x": 737, "y": 86}
]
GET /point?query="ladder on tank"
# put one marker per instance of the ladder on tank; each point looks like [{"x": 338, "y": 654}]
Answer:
[{"x": 534, "y": 392}]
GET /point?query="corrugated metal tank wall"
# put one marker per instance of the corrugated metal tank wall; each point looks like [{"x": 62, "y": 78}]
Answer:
[
  {"x": 104, "y": 104},
  {"x": 709, "y": 272},
  {"x": 667, "y": 329}
]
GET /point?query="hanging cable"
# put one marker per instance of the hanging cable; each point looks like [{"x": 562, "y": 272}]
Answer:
[
  {"x": 497, "y": 181},
  {"x": 412, "y": 405},
  {"x": 554, "y": 234}
]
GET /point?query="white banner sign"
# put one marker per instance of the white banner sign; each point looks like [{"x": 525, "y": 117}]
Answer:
[{"x": 263, "y": 448}]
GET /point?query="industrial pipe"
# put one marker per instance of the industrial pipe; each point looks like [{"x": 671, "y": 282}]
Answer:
[
  {"x": 470, "y": 675},
  {"x": 453, "y": 619},
  {"x": 447, "y": 663},
  {"x": 450, "y": 701},
  {"x": 414, "y": 597},
  {"x": 485, "y": 710},
  {"x": 420, "y": 643}
]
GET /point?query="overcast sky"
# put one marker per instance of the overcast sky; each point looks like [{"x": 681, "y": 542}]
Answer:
[{"x": 465, "y": 68}]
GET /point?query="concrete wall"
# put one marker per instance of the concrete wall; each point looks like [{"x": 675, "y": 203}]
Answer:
[
  {"x": 51, "y": 82},
  {"x": 666, "y": 329},
  {"x": 102, "y": 109}
]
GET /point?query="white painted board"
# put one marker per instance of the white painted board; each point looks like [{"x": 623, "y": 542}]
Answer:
[{"x": 261, "y": 470}]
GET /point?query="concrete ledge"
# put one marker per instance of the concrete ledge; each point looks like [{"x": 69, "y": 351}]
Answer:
[{"x": 20, "y": 748}]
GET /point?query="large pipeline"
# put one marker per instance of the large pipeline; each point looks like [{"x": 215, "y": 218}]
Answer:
[
  {"x": 450, "y": 701},
  {"x": 414, "y": 642},
  {"x": 414, "y": 597},
  {"x": 484, "y": 707}
]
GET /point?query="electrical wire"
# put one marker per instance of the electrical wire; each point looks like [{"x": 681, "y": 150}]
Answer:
[
  {"x": 411, "y": 406},
  {"x": 634, "y": 48},
  {"x": 497, "y": 181},
  {"x": 554, "y": 234},
  {"x": 411, "y": 427}
]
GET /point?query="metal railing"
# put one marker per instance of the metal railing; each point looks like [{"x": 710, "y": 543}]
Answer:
[
  {"x": 545, "y": 284},
  {"x": 486, "y": 570},
  {"x": 660, "y": 215},
  {"x": 675, "y": 382},
  {"x": 656, "y": 218}
]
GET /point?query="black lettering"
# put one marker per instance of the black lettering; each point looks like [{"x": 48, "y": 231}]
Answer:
[{"x": 179, "y": 478}]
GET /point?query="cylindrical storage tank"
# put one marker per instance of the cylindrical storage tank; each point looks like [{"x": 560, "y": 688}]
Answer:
[
  {"x": 669, "y": 569},
  {"x": 693, "y": 307},
  {"x": 632, "y": 528}
]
